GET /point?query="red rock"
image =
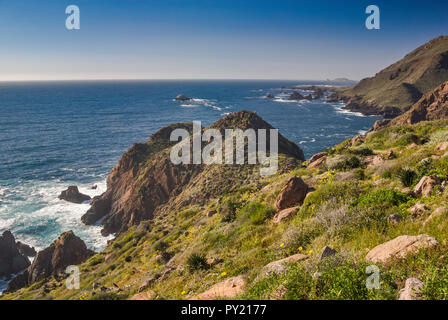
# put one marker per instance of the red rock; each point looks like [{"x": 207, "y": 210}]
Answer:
[{"x": 293, "y": 193}]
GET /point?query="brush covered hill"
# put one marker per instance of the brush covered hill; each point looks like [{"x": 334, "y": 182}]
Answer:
[
  {"x": 396, "y": 88},
  {"x": 378, "y": 199}
]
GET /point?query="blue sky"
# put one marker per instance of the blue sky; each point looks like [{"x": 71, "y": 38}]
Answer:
[{"x": 245, "y": 39}]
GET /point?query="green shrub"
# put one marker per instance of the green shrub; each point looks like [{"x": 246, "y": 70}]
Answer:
[
  {"x": 362, "y": 151},
  {"x": 407, "y": 139},
  {"x": 197, "y": 262},
  {"x": 360, "y": 174},
  {"x": 348, "y": 164},
  {"x": 407, "y": 177},
  {"x": 382, "y": 197},
  {"x": 229, "y": 211},
  {"x": 107, "y": 296},
  {"x": 256, "y": 212}
]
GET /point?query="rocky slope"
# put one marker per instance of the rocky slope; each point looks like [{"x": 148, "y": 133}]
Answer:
[
  {"x": 432, "y": 106},
  {"x": 396, "y": 88},
  {"x": 145, "y": 181}
]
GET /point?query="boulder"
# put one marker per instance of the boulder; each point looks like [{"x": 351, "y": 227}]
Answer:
[
  {"x": 317, "y": 160},
  {"x": 182, "y": 97},
  {"x": 442, "y": 211},
  {"x": 148, "y": 295},
  {"x": 426, "y": 186},
  {"x": 412, "y": 290},
  {"x": 11, "y": 260},
  {"x": 327, "y": 252},
  {"x": 394, "y": 219},
  {"x": 418, "y": 209},
  {"x": 72, "y": 194},
  {"x": 292, "y": 193},
  {"x": 270, "y": 96},
  {"x": 279, "y": 266},
  {"x": 284, "y": 214},
  {"x": 228, "y": 289},
  {"x": 67, "y": 250},
  {"x": 374, "y": 161},
  {"x": 317, "y": 156},
  {"x": 400, "y": 247},
  {"x": 318, "y": 163},
  {"x": 442, "y": 146},
  {"x": 26, "y": 250}
]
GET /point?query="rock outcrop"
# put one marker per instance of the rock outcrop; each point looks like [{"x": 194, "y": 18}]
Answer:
[
  {"x": 67, "y": 250},
  {"x": 145, "y": 181},
  {"x": 228, "y": 289},
  {"x": 297, "y": 96},
  {"x": 317, "y": 160},
  {"x": 412, "y": 290},
  {"x": 293, "y": 193},
  {"x": 11, "y": 260},
  {"x": 279, "y": 266},
  {"x": 182, "y": 97},
  {"x": 400, "y": 247},
  {"x": 72, "y": 194},
  {"x": 26, "y": 250},
  {"x": 426, "y": 186},
  {"x": 284, "y": 214}
]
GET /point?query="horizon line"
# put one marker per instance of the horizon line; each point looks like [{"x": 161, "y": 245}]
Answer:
[{"x": 170, "y": 79}]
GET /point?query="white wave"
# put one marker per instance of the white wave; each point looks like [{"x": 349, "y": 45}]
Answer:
[
  {"x": 339, "y": 109},
  {"x": 362, "y": 132},
  {"x": 35, "y": 204},
  {"x": 190, "y": 105}
]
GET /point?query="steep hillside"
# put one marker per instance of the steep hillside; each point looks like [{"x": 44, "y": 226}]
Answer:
[
  {"x": 307, "y": 232},
  {"x": 432, "y": 106},
  {"x": 396, "y": 88}
]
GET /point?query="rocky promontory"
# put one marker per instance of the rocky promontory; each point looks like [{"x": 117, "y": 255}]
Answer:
[{"x": 145, "y": 179}]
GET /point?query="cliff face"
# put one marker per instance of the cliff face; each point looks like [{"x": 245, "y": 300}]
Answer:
[
  {"x": 396, "y": 88},
  {"x": 145, "y": 180},
  {"x": 432, "y": 106},
  {"x": 11, "y": 260}
]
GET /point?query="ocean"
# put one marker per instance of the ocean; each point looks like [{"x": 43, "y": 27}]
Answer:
[{"x": 56, "y": 134}]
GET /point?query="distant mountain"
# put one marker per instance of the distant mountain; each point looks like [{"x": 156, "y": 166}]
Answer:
[
  {"x": 396, "y": 88},
  {"x": 345, "y": 81}
]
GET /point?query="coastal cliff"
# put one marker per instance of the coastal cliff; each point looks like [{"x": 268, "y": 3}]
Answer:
[{"x": 395, "y": 89}]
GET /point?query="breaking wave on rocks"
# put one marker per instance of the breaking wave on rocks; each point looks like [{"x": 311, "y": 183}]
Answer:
[{"x": 32, "y": 211}]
